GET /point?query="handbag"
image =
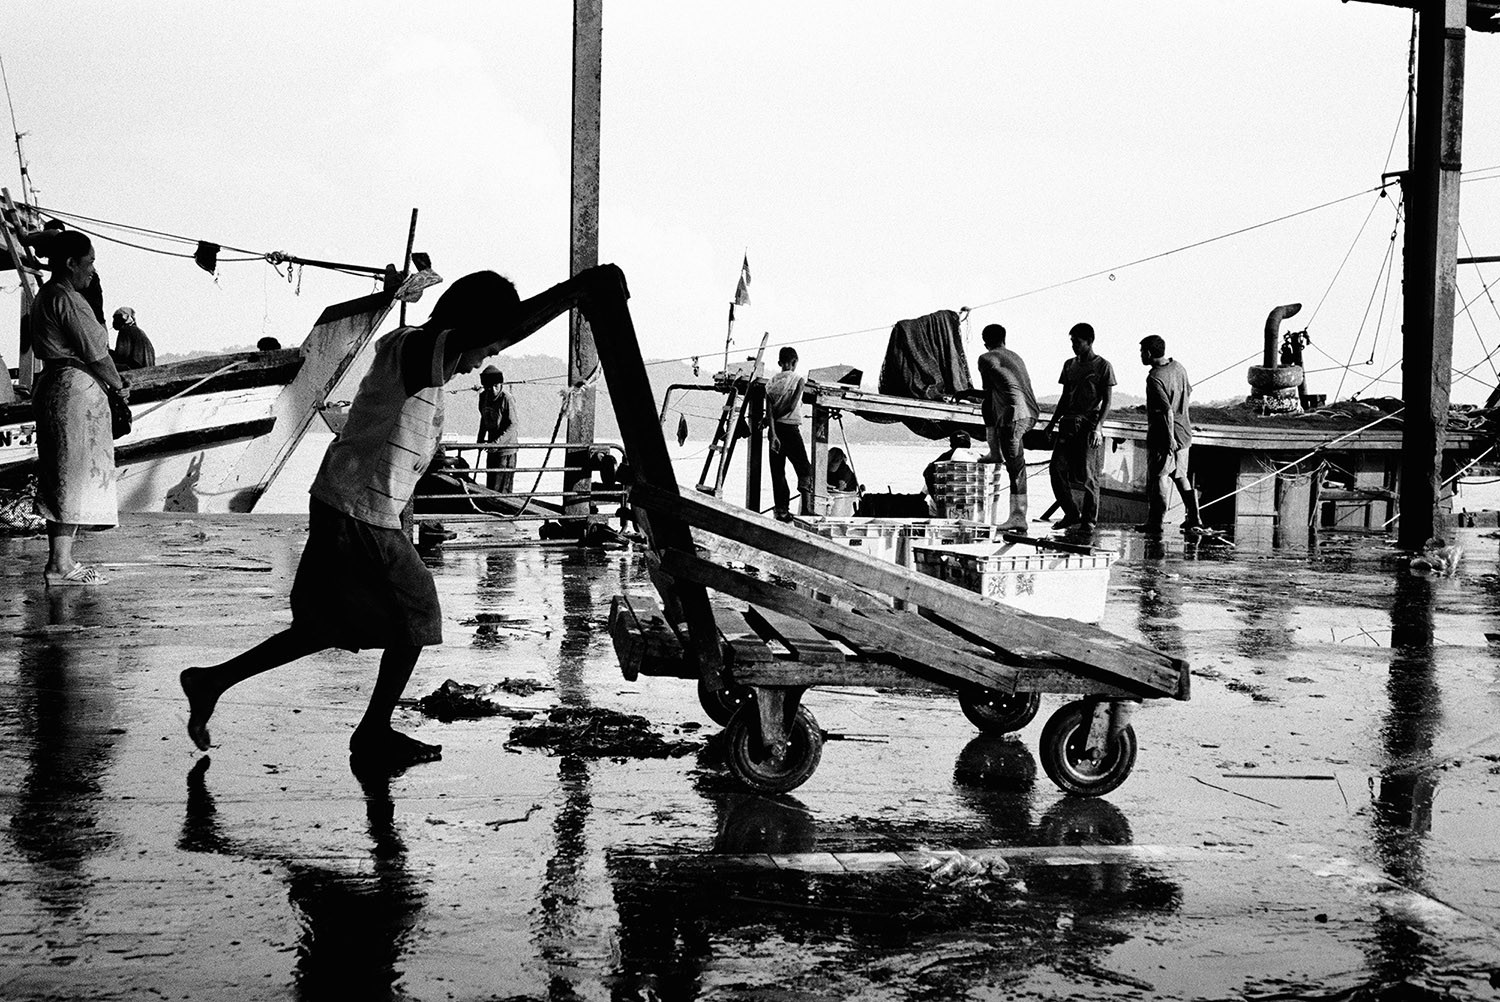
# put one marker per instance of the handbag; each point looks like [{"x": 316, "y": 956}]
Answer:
[{"x": 119, "y": 412}]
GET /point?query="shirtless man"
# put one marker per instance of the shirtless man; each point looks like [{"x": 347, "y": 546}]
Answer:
[{"x": 1010, "y": 411}]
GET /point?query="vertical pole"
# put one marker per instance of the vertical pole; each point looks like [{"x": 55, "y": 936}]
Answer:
[
  {"x": 755, "y": 395},
  {"x": 728, "y": 337},
  {"x": 583, "y": 358},
  {"x": 1432, "y": 187},
  {"x": 818, "y": 503},
  {"x": 411, "y": 238}
]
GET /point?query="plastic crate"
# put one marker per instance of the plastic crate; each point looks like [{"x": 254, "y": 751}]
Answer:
[
  {"x": 893, "y": 538},
  {"x": 967, "y": 491},
  {"x": 1045, "y": 582}
]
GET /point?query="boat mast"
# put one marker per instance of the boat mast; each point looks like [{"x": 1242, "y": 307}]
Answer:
[
  {"x": 1430, "y": 186},
  {"x": 583, "y": 358}
]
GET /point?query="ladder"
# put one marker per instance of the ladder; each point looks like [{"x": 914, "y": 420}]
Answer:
[{"x": 727, "y": 433}]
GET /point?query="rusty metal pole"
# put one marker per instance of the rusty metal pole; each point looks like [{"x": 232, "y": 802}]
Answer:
[
  {"x": 583, "y": 359},
  {"x": 1432, "y": 187}
]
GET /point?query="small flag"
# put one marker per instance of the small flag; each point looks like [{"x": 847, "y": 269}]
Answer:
[
  {"x": 682, "y": 429},
  {"x": 207, "y": 256},
  {"x": 742, "y": 291},
  {"x": 731, "y": 313}
]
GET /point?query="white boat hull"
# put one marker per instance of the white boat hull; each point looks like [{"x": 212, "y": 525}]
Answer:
[{"x": 213, "y": 439}]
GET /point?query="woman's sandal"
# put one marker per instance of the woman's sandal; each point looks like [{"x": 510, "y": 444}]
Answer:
[{"x": 81, "y": 574}]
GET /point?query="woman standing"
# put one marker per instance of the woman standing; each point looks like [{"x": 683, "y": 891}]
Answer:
[{"x": 75, "y": 444}]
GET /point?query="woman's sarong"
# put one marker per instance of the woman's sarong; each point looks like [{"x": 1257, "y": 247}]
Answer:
[{"x": 75, "y": 481}]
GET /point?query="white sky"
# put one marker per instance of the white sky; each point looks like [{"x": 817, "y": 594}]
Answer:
[{"x": 879, "y": 160}]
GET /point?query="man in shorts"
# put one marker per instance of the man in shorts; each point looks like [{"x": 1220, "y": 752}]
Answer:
[
  {"x": 360, "y": 583},
  {"x": 1010, "y": 411}
]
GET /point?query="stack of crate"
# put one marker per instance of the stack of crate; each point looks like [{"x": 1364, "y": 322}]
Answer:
[
  {"x": 1071, "y": 585},
  {"x": 969, "y": 491}
]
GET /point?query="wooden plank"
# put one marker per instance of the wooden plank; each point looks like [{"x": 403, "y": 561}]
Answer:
[
  {"x": 743, "y": 640},
  {"x": 724, "y": 551},
  {"x": 605, "y": 307},
  {"x": 867, "y": 674},
  {"x": 805, "y": 643},
  {"x": 955, "y": 667},
  {"x": 1102, "y": 655},
  {"x": 1036, "y": 673},
  {"x": 644, "y": 642}
]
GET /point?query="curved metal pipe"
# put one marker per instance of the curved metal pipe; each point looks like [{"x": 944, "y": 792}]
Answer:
[{"x": 1273, "y": 331}]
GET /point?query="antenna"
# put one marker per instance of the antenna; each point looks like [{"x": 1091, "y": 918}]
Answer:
[{"x": 26, "y": 192}]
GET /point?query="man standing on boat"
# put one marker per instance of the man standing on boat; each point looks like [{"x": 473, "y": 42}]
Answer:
[
  {"x": 360, "y": 583},
  {"x": 1010, "y": 411},
  {"x": 133, "y": 349},
  {"x": 1169, "y": 435},
  {"x": 1078, "y": 450},
  {"x": 784, "y": 408}
]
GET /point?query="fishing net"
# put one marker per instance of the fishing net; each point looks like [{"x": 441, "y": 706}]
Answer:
[{"x": 18, "y": 509}]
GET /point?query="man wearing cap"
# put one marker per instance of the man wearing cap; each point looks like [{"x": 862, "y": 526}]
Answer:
[
  {"x": 133, "y": 349},
  {"x": 1078, "y": 450},
  {"x": 1169, "y": 435}
]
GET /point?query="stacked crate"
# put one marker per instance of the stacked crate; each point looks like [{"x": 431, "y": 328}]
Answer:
[
  {"x": 969, "y": 491},
  {"x": 894, "y": 539},
  {"x": 1045, "y": 582}
]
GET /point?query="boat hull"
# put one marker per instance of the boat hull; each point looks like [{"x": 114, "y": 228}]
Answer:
[{"x": 211, "y": 433}]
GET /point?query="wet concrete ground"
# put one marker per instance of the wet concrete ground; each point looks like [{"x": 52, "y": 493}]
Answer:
[{"x": 1319, "y": 822}]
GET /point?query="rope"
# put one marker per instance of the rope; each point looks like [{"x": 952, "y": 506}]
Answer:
[
  {"x": 190, "y": 389},
  {"x": 1295, "y": 462},
  {"x": 1390, "y": 254}
]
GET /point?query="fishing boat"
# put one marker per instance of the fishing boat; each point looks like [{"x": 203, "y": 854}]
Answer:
[
  {"x": 210, "y": 434},
  {"x": 1279, "y": 461}
]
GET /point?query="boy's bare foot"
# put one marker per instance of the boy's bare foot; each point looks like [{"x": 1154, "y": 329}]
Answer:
[
  {"x": 389, "y": 750},
  {"x": 201, "y": 702}
]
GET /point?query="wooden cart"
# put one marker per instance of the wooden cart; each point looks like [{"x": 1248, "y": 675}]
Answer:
[{"x": 881, "y": 625}]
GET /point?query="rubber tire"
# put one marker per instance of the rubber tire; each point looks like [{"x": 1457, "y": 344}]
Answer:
[
  {"x": 1062, "y": 738},
  {"x": 753, "y": 767},
  {"x": 995, "y": 712},
  {"x": 721, "y": 706}
]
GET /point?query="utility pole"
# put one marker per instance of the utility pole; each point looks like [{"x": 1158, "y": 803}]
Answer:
[
  {"x": 583, "y": 359},
  {"x": 1431, "y": 188}
]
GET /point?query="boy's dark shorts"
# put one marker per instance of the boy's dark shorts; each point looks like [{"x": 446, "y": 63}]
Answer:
[{"x": 362, "y": 586}]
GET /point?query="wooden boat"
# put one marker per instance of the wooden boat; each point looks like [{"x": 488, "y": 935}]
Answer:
[{"x": 211, "y": 433}]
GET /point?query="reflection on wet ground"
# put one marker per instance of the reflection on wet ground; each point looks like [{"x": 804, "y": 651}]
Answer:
[{"x": 1316, "y": 823}]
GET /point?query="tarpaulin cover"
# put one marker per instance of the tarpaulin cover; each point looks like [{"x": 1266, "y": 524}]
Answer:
[{"x": 925, "y": 360}]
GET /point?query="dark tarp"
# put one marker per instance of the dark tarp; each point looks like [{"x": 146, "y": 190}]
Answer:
[{"x": 925, "y": 360}]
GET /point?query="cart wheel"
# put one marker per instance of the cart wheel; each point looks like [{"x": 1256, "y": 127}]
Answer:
[
  {"x": 1070, "y": 767},
  {"x": 754, "y": 766},
  {"x": 721, "y": 706},
  {"x": 995, "y": 712}
]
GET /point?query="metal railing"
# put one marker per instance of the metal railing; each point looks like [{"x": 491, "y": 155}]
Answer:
[{"x": 474, "y": 486}]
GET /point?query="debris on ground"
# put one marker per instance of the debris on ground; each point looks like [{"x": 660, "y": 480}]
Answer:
[
  {"x": 491, "y": 628},
  {"x": 955, "y": 869},
  {"x": 457, "y": 701},
  {"x": 592, "y": 732},
  {"x": 502, "y": 822}
]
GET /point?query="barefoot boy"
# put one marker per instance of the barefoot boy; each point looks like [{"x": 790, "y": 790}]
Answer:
[{"x": 360, "y": 583}]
